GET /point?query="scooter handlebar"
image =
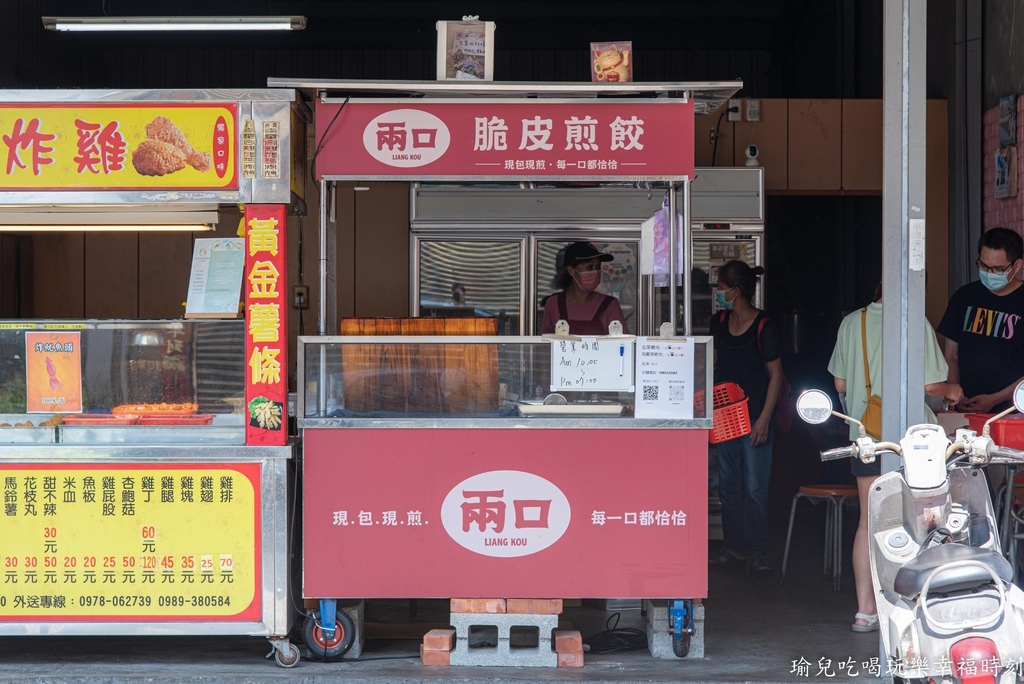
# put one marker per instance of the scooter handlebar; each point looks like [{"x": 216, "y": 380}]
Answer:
[
  {"x": 838, "y": 453},
  {"x": 1012, "y": 455}
]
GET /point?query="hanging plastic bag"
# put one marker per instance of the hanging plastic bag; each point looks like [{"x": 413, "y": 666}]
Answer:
[{"x": 654, "y": 247}]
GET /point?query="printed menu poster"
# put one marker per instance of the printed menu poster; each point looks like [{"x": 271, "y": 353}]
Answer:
[
  {"x": 53, "y": 372},
  {"x": 664, "y": 378},
  {"x": 215, "y": 286}
]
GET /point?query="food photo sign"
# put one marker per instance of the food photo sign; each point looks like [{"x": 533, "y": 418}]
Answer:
[{"x": 118, "y": 146}]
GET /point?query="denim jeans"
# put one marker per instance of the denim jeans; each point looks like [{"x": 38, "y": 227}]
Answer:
[{"x": 744, "y": 472}]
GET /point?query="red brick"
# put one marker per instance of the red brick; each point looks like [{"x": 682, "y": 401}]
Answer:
[
  {"x": 432, "y": 658},
  {"x": 439, "y": 640},
  {"x": 534, "y": 606},
  {"x": 570, "y": 660},
  {"x": 479, "y": 605},
  {"x": 568, "y": 641}
]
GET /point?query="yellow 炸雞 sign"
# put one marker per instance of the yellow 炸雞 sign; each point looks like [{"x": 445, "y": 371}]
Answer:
[{"x": 118, "y": 147}]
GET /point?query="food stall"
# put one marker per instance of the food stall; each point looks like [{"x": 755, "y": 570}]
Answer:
[
  {"x": 505, "y": 466},
  {"x": 145, "y": 465}
]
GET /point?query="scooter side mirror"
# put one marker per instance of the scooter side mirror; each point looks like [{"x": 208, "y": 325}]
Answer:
[
  {"x": 1018, "y": 397},
  {"x": 814, "y": 406}
]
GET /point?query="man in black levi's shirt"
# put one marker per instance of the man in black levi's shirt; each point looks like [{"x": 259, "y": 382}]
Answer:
[{"x": 983, "y": 328}]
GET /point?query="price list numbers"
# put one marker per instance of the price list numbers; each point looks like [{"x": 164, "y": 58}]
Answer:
[{"x": 128, "y": 540}]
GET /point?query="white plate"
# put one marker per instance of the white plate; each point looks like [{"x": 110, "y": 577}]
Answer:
[{"x": 604, "y": 409}]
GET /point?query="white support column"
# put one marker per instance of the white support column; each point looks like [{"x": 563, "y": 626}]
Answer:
[{"x": 903, "y": 217}]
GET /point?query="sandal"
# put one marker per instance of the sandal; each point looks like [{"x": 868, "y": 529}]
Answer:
[
  {"x": 726, "y": 557},
  {"x": 870, "y": 620}
]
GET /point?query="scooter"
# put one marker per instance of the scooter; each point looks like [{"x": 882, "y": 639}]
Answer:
[{"x": 947, "y": 608}]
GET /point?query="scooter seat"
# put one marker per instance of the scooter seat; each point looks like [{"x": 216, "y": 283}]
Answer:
[{"x": 910, "y": 578}]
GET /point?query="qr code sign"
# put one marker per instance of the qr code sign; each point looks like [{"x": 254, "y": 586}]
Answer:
[
  {"x": 676, "y": 392},
  {"x": 650, "y": 393}
]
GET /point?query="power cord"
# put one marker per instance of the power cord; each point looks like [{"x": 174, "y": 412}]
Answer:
[
  {"x": 714, "y": 150},
  {"x": 614, "y": 640}
]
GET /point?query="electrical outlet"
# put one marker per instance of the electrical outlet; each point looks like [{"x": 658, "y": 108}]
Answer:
[
  {"x": 300, "y": 297},
  {"x": 735, "y": 111},
  {"x": 753, "y": 110}
]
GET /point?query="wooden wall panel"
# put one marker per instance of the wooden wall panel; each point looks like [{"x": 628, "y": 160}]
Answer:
[
  {"x": 58, "y": 274},
  {"x": 165, "y": 263},
  {"x": 937, "y": 210},
  {"x": 382, "y": 250},
  {"x": 770, "y": 134},
  {"x": 111, "y": 275},
  {"x": 703, "y": 147},
  {"x": 862, "y": 146},
  {"x": 815, "y": 149}
]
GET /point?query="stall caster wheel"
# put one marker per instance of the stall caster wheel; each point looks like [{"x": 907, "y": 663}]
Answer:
[
  {"x": 286, "y": 654},
  {"x": 334, "y": 646}
]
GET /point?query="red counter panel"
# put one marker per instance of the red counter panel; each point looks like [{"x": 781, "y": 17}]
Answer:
[{"x": 422, "y": 513}]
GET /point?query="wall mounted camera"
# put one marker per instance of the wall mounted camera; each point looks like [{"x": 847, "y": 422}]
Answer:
[{"x": 751, "y": 155}]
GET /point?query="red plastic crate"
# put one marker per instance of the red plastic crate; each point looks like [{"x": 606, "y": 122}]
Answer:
[
  {"x": 731, "y": 416},
  {"x": 1007, "y": 432}
]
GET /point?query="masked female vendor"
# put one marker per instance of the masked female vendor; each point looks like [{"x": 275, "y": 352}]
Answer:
[{"x": 588, "y": 311}]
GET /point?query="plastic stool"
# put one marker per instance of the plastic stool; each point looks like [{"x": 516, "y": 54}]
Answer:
[{"x": 834, "y": 497}]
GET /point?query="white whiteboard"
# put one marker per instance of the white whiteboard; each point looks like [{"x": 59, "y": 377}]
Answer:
[{"x": 592, "y": 364}]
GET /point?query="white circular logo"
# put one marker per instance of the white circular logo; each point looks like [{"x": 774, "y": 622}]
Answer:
[
  {"x": 505, "y": 513},
  {"x": 406, "y": 138}
]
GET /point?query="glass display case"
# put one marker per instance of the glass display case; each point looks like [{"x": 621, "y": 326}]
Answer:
[
  {"x": 495, "y": 381},
  {"x": 136, "y": 382}
]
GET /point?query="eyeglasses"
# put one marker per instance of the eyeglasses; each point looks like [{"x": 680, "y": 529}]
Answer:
[{"x": 992, "y": 269}]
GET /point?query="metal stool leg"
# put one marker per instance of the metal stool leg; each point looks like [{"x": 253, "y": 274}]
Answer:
[
  {"x": 830, "y": 522},
  {"x": 837, "y": 577},
  {"x": 789, "y": 536}
]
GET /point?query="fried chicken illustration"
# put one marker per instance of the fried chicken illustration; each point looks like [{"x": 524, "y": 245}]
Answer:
[
  {"x": 164, "y": 129},
  {"x": 157, "y": 158}
]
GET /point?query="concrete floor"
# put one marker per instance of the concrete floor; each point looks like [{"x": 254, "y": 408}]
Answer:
[{"x": 756, "y": 630}]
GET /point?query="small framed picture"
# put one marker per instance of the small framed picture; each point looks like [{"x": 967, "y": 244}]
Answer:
[
  {"x": 465, "y": 50},
  {"x": 611, "y": 62}
]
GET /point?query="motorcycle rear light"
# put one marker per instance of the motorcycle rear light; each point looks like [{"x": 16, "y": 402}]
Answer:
[{"x": 975, "y": 660}]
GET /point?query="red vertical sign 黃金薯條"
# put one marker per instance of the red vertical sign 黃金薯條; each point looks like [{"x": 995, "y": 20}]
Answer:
[{"x": 266, "y": 342}]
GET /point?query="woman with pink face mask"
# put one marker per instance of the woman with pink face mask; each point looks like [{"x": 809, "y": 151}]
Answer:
[{"x": 588, "y": 311}]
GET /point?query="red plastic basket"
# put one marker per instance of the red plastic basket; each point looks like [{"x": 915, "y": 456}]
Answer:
[
  {"x": 1007, "y": 432},
  {"x": 731, "y": 415}
]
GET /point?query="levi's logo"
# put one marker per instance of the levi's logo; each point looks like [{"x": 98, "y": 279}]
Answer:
[{"x": 989, "y": 323}]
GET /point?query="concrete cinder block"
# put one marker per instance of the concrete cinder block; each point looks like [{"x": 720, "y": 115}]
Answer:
[
  {"x": 502, "y": 653},
  {"x": 503, "y": 656},
  {"x": 432, "y": 657},
  {"x": 439, "y": 640},
  {"x": 659, "y": 641},
  {"x": 541, "y": 606},
  {"x": 568, "y": 641},
  {"x": 356, "y": 611},
  {"x": 478, "y": 605}
]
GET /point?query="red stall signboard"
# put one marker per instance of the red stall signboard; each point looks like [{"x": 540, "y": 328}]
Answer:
[
  {"x": 266, "y": 315},
  {"x": 392, "y": 513},
  {"x": 482, "y": 139},
  {"x": 111, "y": 146}
]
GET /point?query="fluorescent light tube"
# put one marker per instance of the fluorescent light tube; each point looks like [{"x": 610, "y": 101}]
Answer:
[{"x": 292, "y": 23}]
